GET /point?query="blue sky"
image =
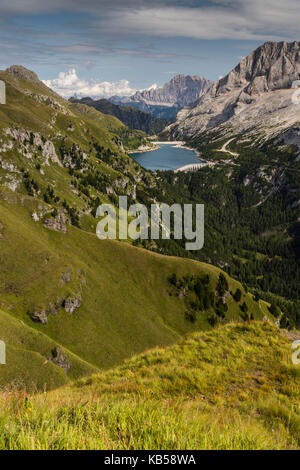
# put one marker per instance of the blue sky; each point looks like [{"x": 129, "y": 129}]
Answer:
[{"x": 105, "y": 47}]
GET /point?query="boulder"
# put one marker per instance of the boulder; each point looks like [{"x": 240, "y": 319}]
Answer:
[
  {"x": 60, "y": 359},
  {"x": 71, "y": 304}
]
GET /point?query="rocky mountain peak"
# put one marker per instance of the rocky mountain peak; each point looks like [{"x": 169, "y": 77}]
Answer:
[
  {"x": 182, "y": 90},
  {"x": 22, "y": 73},
  {"x": 271, "y": 66},
  {"x": 255, "y": 97}
]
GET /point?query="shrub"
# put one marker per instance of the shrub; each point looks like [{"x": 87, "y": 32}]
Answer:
[
  {"x": 238, "y": 295},
  {"x": 222, "y": 285},
  {"x": 190, "y": 316}
]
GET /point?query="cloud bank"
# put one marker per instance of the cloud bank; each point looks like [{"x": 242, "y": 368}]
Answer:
[
  {"x": 68, "y": 84},
  {"x": 214, "y": 19},
  {"x": 221, "y": 19}
]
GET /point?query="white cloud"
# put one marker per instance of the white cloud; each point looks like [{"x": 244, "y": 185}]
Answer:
[{"x": 68, "y": 84}]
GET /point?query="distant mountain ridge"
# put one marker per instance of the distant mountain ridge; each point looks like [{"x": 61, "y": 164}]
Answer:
[
  {"x": 182, "y": 90},
  {"x": 166, "y": 101},
  {"x": 255, "y": 97},
  {"x": 130, "y": 116}
]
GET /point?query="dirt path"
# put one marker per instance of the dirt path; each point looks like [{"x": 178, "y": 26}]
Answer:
[{"x": 224, "y": 149}]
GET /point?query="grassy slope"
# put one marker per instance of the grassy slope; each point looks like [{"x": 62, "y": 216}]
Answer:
[
  {"x": 27, "y": 351},
  {"x": 231, "y": 388},
  {"x": 127, "y": 306},
  {"x": 126, "y": 302}
]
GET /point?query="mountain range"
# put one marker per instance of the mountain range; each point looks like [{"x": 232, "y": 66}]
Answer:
[
  {"x": 165, "y": 102},
  {"x": 254, "y": 101}
]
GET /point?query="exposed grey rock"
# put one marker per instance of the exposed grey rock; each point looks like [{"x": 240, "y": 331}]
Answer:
[
  {"x": 181, "y": 90},
  {"x": 57, "y": 223},
  {"x": 66, "y": 277},
  {"x": 60, "y": 358},
  {"x": 71, "y": 304},
  {"x": 35, "y": 216},
  {"x": 23, "y": 73},
  {"x": 40, "y": 317},
  {"x": 254, "y": 98},
  {"x": 49, "y": 152}
]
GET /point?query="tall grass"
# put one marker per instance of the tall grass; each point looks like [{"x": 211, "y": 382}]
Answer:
[{"x": 233, "y": 388}]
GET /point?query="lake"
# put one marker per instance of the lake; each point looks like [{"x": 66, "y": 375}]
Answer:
[{"x": 167, "y": 157}]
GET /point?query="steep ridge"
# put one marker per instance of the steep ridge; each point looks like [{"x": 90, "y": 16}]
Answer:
[
  {"x": 255, "y": 97},
  {"x": 165, "y": 102},
  {"x": 181, "y": 91}
]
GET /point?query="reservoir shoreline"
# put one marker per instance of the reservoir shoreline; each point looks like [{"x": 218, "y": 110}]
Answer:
[{"x": 169, "y": 156}]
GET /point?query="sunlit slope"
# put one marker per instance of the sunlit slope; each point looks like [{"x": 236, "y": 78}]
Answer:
[
  {"x": 231, "y": 388},
  {"x": 127, "y": 303},
  {"x": 29, "y": 358}
]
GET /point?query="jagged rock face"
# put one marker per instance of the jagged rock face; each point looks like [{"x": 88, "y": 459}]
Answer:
[
  {"x": 181, "y": 91},
  {"x": 60, "y": 358},
  {"x": 40, "y": 317},
  {"x": 58, "y": 223},
  {"x": 256, "y": 96},
  {"x": 71, "y": 304}
]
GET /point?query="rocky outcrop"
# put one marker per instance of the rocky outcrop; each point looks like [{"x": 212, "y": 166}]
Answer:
[
  {"x": 71, "y": 304},
  {"x": 23, "y": 74},
  {"x": 66, "y": 277},
  {"x": 40, "y": 316},
  {"x": 60, "y": 358},
  {"x": 255, "y": 97},
  {"x": 58, "y": 223},
  {"x": 182, "y": 90},
  {"x": 34, "y": 142}
]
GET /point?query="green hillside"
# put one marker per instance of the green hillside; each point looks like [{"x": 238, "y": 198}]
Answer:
[
  {"x": 231, "y": 388},
  {"x": 130, "y": 116},
  {"x": 127, "y": 302},
  {"x": 72, "y": 304}
]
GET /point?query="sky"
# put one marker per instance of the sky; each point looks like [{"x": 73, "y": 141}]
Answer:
[{"x": 101, "y": 48}]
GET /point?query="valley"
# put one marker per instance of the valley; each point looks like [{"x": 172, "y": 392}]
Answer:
[{"x": 100, "y": 331}]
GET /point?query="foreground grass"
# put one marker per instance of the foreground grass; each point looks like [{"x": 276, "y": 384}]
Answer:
[{"x": 231, "y": 388}]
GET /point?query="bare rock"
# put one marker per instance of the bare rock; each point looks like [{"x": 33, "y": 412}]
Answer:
[
  {"x": 254, "y": 99},
  {"x": 35, "y": 216},
  {"x": 181, "y": 90},
  {"x": 40, "y": 317},
  {"x": 60, "y": 358},
  {"x": 50, "y": 153},
  {"x": 24, "y": 74},
  {"x": 57, "y": 223},
  {"x": 66, "y": 277},
  {"x": 71, "y": 304}
]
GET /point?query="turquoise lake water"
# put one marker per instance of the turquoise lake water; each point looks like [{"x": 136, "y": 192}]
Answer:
[{"x": 167, "y": 157}]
